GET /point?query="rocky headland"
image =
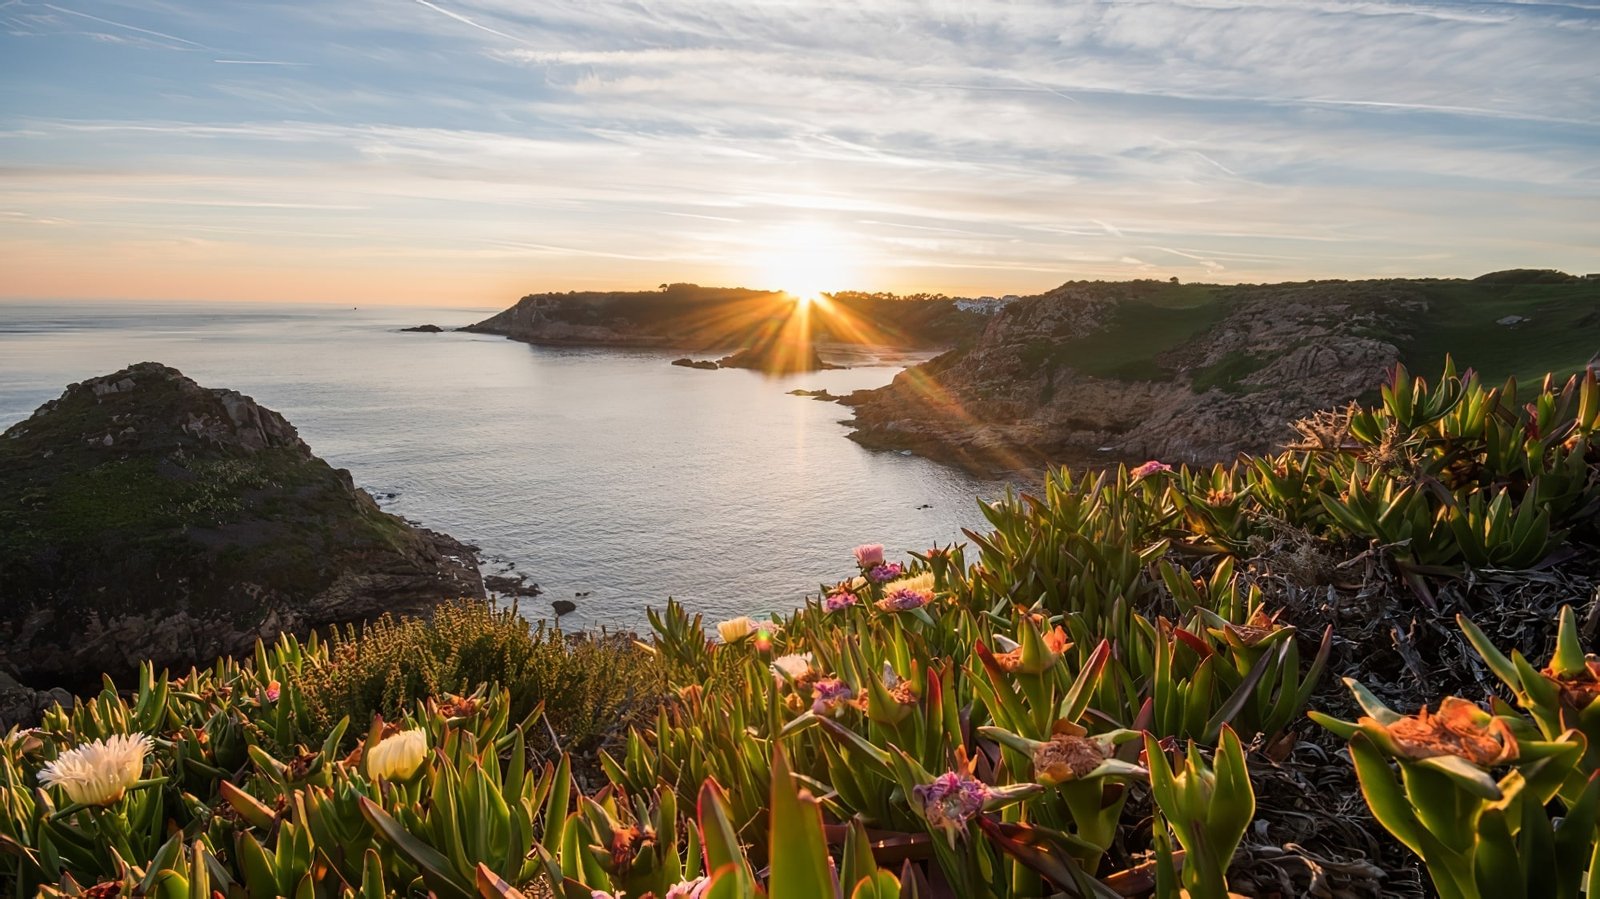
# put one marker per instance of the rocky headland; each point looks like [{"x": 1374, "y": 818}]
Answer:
[
  {"x": 1093, "y": 373},
  {"x": 757, "y": 329},
  {"x": 143, "y": 516}
]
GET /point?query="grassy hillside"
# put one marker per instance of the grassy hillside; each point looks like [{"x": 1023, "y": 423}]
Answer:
[
  {"x": 1560, "y": 335},
  {"x": 1146, "y": 333}
]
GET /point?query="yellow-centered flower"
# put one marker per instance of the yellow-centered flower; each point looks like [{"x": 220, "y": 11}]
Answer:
[
  {"x": 98, "y": 772},
  {"x": 736, "y": 628},
  {"x": 398, "y": 756}
]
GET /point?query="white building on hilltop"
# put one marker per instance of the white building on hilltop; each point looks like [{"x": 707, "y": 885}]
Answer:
[{"x": 985, "y": 305}]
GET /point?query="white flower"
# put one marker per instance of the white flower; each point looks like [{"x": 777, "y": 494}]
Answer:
[
  {"x": 689, "y": 889},
  {"x": 793, "y": 666},
  {"x": 736, "y": 628},
  {"x": 398, "y": 756},
  {"x": 98, "y": 772}
]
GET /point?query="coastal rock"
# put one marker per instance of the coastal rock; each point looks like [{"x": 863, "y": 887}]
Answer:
[
  {"x": 1075, "y": 376},
  {"x": 563, "y": 606},
  {"x": 425, "y": 329},
  {"x": 144, "y": 516},
  {"x": 510, "y": 586},
  {"x": 703, "y": 364},
  {"x": 777, "y": 357}
]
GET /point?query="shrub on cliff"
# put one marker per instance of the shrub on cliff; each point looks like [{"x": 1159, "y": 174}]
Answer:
[{"x": 590, "y": 685}]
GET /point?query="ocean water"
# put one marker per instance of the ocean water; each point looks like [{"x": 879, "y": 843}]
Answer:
[{"x": 592, "y": 471}]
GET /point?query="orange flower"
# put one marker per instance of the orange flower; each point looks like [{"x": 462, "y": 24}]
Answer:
[
  {"x": 1258, "y": 628},
  {"x": 1578, "y": 689},
  {"x": 1056, "y": 642},
  {"x": 1067, "y": 757},
  {"x": 455, "y": 706},
  {"x": 1460, "y": 728}
]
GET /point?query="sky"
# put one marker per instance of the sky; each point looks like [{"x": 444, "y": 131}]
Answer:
[{"x": 466, "y": 152}]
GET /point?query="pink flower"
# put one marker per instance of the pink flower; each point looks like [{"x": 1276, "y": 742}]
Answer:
[
  {"x": 272, "y": 692},
  {"x": 1150, "y": 468},
  {"x": 885, "y": 572},
  {"x": 829, "y": 695},
  {"x": 689, "y": 889},
  {"x": 836, "y": 602},
  {"x": 869, "y": 554},
  {"x": 950, "y": 802}
]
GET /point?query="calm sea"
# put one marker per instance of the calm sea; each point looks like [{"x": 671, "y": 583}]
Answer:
[{"x": 592, "y": 471}]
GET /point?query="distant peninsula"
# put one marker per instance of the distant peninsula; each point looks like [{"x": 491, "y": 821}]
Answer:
[{"x": 740, "y": 328}]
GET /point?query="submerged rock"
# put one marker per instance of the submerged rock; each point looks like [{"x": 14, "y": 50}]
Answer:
[
  {"x": 511, "y": 586},
  {"x": 143, "y": 516}
]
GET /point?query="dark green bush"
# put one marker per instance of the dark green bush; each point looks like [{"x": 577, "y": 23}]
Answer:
[{"x": 592, "y": 685}]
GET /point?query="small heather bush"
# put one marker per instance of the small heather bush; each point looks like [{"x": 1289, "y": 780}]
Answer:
[{"x": 592, "y": 686}]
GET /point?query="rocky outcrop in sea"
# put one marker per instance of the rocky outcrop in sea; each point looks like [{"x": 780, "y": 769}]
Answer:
[{"x": 143, "y": 516}]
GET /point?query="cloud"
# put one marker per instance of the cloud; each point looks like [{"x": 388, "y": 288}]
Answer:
[{"x": 983, "y": 147}]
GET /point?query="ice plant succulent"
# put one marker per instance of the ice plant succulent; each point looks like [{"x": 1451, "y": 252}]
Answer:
[
  {"x": 950, "y": 802},
  {"x": 906, "y": 594},
  {"x": 736, "y": 628},
  {"x": 885, "y": 572},
  {"x": 1461, "y": 740},
  {"x": 793, "y": 667},
  {"x": 1460, "y": 728},
  {"x": 830, "y": 695},
  {"x": 869, "y": 555},
  {"x": 689, "y": 889},
  {"x": 98, "y": 772},
  {"x": 1150, "y": 468},
  {"x": 839, "y": 600},
  {"x": 1564, "y": 694},
  {"x": 1035, "y": 654},
  {"x": 1478, "y": 836},
  {"x": 398, "y": 756},
  {"x": 1208, "y": 807}
]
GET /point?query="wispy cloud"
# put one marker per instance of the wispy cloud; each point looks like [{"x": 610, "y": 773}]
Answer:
[
  {"x": 123, "y": 25},
  {"x": 976, "y": 148}
]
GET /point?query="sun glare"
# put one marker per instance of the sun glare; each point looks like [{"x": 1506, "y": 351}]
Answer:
[{"x": 806, "y": 260}]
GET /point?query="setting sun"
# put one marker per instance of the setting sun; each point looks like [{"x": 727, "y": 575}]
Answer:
[{"x": 807, "y": 260}]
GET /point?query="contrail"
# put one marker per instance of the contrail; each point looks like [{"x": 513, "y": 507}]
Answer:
[
  {"x": 466, "y": 21},
  {"x": 170, "y": 37}
]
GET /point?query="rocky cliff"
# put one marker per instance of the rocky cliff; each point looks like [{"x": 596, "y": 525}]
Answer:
[
  {"x": 144, "y": 516},
  {"x": 1101, "y": 372}
]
